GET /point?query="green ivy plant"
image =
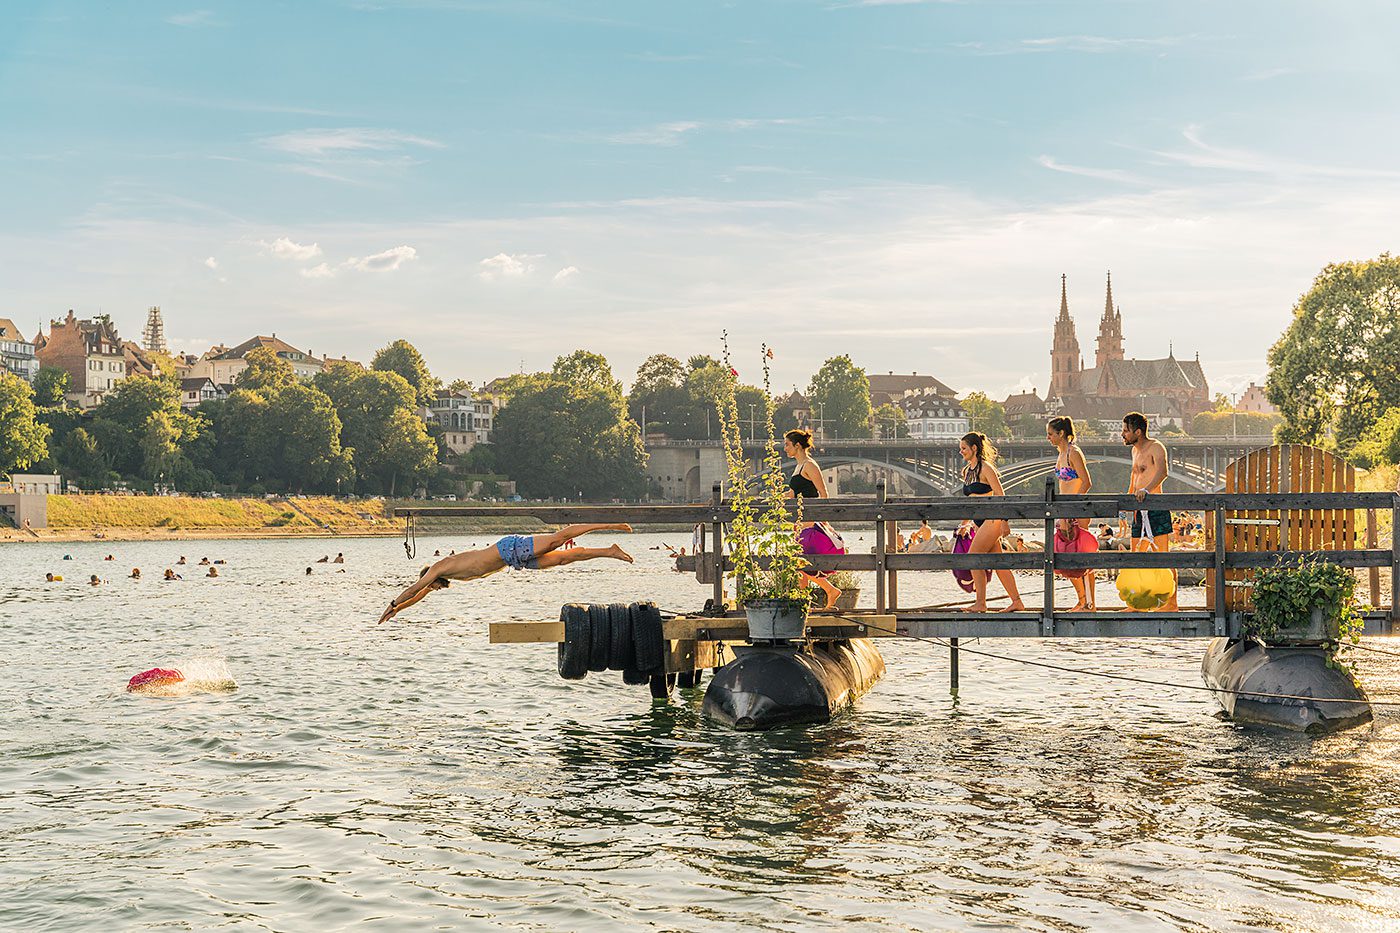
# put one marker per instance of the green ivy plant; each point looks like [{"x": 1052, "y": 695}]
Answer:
[
  {"x": 762, "y": 528},
  {"x": 1285, "y": 595}
]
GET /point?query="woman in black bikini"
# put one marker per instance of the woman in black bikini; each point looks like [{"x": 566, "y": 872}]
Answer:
[
  {"x": 980, "y": 478},
  {"x": 815, "y": 537}
]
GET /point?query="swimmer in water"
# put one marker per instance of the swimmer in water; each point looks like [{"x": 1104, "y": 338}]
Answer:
[
  {"x": 213, "y": 572},
  {"x": 308, "y": 571},
  {"x": 95, "y": 580},
  {"x": 154, "y": 679},
  {"x": 172, "y": 575},
  {"x": 135, "y": 573},
  {"x": 181, "y": 560},
  {"x": 523, "y": 552},
  {"x": 339, "y": 559},
  {"x": 49, "y": 578}
]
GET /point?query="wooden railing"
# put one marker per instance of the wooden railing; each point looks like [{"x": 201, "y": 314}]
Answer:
[{"x": 886, "y": 515}]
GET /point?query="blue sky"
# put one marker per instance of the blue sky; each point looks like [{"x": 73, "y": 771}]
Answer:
[{"x": 504, "y": 182}]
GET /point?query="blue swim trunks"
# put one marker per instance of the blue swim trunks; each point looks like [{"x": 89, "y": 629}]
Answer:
[{"x": 518, "y": 551}]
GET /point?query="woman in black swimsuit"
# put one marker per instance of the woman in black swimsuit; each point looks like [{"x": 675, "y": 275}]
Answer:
[
  {"x": 815, "y": 537},
  {"x": 980, "y": 478}
]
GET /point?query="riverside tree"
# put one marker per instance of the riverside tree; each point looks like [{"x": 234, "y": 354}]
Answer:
[
  {"x": 23, "y": 440},
  {"x": 403, "y": 358},
  {"x": 562, "y": 436},
  {"x": 379, "y": 422},
  {"x": 51, "y": 387},
  {"x": 1333, "y": 370},
  {"x": 840, "y": 396},
  {"x": 985, "y": 414}
]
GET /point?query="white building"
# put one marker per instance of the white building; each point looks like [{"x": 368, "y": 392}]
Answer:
[
  {"x": 465, "y": 420},
  {"x": 221, "y": 365},
  {"x": 16, "y": 354},
  {"x": 930, "y": 414},
  {"x": 199, "y": 389}
]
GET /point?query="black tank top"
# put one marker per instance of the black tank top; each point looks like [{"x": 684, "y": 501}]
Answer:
[
  {"x": 802, "y": 486},
  {"x": 977, "y": 487}
]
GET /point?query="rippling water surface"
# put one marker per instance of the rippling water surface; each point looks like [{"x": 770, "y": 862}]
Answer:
[{"x": 411, "y": 776}]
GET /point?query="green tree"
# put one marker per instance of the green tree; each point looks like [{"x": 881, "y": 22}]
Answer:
[
  {"x": 1380, "y": 443},
  {"x": 403, "y": 358},
  {"x": 379, "y": 423},
  {"x": 51, "y": 385},
  {"x": 23, "y": 439},
  {"x": 985, "y": 414},
  {"x": 460, "y": 385},
  {"x": 305, "y": 449},
  {"x": 840, "y": 391},
  {"x": 265, "y": 370},
  {"x": 1333, "y": 371},
  {"x": 584, "y": 368},
  {"x": 657, "y": 393},
  {"x": 160, "y": 447},
  {"x": 1220, "y": 423},
  {"x": 81, "y": 462},
  {"x": 119, "y": 423},
  {"x": 890, "y": 421},
  {"x": 565, "y": 437}
]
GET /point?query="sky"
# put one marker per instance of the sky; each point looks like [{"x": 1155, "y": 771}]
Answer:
[{"x": 504, "y": 182}]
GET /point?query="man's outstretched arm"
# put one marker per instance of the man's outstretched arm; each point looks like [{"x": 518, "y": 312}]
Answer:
[{"x": 429, "y": 580}]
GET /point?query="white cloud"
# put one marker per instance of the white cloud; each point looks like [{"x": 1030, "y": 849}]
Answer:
[
  {"x": 1091, "y": 44},
  {"x": 195, "y": 19},
  {"x": 672, "y": 133},
  {"x": 285, "y": 248},
  {"x": 212, "y": 263},
  {"x": 507, "y": 266},
  {"x": 567, "y": 272},
  {"x": 323, "y": 143},
  {"x": 321, "y": 271},
  {"x": 387, "y": 261},
  {"x": 1103, "y": 174}
]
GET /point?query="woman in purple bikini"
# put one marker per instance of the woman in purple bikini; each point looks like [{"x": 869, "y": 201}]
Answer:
[
  {"x": 980, "y": 478},
  {"x": 815, "y": 537},
  {"x": 1073, "y": 474}
]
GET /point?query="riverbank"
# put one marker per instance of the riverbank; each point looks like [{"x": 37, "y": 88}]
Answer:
[{"x": 187, "y": 518}]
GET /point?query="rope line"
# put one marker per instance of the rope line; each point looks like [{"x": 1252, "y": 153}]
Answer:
[{"x": 1130, "y": 678}]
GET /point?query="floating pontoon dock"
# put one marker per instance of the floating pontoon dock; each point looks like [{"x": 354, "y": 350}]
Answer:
[{"x": 1245, "y": 531}]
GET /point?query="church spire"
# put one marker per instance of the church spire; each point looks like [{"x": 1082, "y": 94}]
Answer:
[
  {"x": 1110, "y": 342},
  {"x": 1065, "y": 361}
]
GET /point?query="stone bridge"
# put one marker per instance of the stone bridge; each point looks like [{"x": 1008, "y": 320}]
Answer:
[{"x": 684, "y": 471}]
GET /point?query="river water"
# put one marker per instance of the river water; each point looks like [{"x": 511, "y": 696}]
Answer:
[{"x": 411, "y": 776}]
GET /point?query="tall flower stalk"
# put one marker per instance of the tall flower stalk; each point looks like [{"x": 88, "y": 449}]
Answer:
[{"x": 761, "y": 530}]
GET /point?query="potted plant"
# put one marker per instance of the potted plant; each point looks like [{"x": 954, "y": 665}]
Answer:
[
  {"x": 1311, "y": 601},
  {"x": 763, "y": 547}
]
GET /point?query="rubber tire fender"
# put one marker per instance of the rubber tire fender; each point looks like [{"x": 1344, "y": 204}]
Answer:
[
  {"x": 689, "y": 680},
  {"x": 646, "y": 638},
  {"x": 601, "y": 643},
  {"x": 661, "y": 685},
  {"x": 576, "y": 648},
  {"x": 635, "y": 678},
  {"x": 623, "y": 654}
]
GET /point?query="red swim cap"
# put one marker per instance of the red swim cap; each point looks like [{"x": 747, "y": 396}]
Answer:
[{"x": 156, "y": 675}]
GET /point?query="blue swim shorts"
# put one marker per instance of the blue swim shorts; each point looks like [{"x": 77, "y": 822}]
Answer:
[{"x": 518, "y": 551}]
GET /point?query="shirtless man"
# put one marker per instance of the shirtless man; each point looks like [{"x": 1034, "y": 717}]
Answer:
[
  {"x": 523, "y": 552},
  {"x": 1148, "y": 473}
]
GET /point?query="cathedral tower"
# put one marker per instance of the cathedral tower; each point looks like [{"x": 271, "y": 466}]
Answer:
[
  {"x": 1110, "y": 343},
  {"x": 1065, "y": 360},
  {"x": 154, "y": 334}
]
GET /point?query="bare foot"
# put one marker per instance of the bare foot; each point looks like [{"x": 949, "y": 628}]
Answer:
[
  {"x": 1078, "y": 607},
  {"x": 1017, "y": 606},
  {"x": 619, "y": 553},
  {"x": 975, "y": 608},
  {"x": 620, "y": 526}
]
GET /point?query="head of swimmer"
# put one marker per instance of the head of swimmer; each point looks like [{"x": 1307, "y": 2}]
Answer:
[
  {"x": 1059, "y": 431},
  {"x": 975, "y": 446},
  {"x": 797, "y": 442}
]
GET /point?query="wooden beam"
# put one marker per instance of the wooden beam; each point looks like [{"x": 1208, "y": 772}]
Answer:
[
  {"x": 733, "y": 627},
  {"x": 520, "y": 633}
]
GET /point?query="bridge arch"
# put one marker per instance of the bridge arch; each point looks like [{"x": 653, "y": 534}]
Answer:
[
  {"x": 908, "y": 473},
  {"x": 1020, "y": 472}
]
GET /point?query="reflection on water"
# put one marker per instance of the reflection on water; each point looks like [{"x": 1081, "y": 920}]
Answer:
[{"x": 410, "y": 775}]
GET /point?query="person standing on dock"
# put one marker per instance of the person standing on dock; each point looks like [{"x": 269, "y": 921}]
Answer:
[
  {"x": 1148, "y": 474},
  {"x": 520, "y": 552},
  {"x": 815, "y": 537},
  {"x": 980, "y": 478},
  {"x": 1072, "y": 471}
]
